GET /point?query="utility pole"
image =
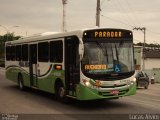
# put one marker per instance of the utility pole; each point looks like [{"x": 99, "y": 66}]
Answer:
[
  {"x": 98, "y": 10},
  {"x": 143, "y": 29},
  {"x": 64, "y": 2}
]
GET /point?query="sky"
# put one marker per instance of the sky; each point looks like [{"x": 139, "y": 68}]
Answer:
[{"x": 38, "y": 16}]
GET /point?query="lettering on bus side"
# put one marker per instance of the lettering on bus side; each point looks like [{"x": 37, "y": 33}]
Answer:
[{"x": 107, "y": 34}]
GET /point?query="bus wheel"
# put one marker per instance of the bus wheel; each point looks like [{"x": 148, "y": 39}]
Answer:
[
  {"x": 60, "y": 93},
  {"x": 20, "y": 83}
]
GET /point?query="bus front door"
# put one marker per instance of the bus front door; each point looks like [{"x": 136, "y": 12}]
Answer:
[
  {"x": 33, "y": 65},
  {"x": 72, "y": 69}
]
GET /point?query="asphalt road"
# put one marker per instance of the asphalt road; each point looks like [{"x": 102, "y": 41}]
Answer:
[{"x": 14, "y": 101}]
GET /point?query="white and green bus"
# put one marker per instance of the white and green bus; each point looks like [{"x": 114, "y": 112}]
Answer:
[{"x": 85, "y": 64}]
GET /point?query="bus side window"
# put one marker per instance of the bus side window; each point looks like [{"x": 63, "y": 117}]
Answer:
[
  {"x": 13, "y": 53},
  {"x": 18, "y": 52},
  {"x": 56, "y": 51},
  {"x": 25, "y": 52},
  {"x": 43, "y": 52},
  {"x": 8, "y": 53}
]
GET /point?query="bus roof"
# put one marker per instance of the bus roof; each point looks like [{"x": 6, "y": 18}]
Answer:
[
  {"x": 46, "y": 35},
  {"x": 53, "y": 35}
]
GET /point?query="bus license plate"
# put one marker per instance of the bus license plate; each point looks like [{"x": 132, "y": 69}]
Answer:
[{"x": 113, "y": 92}]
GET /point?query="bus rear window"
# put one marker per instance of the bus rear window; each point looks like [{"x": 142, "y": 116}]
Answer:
[{"x": 8, "y": 53}]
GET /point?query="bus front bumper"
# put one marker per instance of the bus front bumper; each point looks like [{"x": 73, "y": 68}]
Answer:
[{"x": 86, "y": 93}]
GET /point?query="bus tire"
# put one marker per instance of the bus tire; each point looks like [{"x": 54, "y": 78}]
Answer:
[
  {"x": 60, "y": 93},
  {"x": 20, "y": 82}
]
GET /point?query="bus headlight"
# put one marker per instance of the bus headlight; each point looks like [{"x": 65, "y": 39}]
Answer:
[
  {"x": 87, "y": 83},
  {"x": 133, "y": 80},
  {"x": 91, "y": 83}
]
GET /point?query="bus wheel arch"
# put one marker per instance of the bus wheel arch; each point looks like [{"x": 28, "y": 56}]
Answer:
[
  {"x": 20, "y": 81},
  {"x": 60, "y": 92}
]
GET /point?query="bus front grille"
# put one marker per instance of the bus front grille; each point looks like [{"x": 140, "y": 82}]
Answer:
[
  {"x": 121, "y": 92},
  {"x": 113, "y": 86}
]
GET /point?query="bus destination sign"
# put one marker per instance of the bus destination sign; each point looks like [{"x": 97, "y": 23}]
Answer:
[{"x": 108, "y": 33}]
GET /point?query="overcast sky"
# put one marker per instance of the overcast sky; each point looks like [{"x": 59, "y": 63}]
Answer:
[{"x": 37, "y": 16}]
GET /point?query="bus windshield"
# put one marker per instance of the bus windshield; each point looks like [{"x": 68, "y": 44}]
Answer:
[{"x": 106, "y": 58}]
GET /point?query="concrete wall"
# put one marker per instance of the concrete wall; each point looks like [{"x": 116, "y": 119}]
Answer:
[
  {"x": 151, "y": 63},
  {"x": 138, "y": 57}
]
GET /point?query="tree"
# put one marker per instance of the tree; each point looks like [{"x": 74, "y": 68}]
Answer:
[{"x": 148, "y": 45}]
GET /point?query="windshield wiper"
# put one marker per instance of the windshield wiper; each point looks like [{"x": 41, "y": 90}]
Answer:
[
  {"x": 104, "y": 50},
  {"x": 117, "y": 53}
]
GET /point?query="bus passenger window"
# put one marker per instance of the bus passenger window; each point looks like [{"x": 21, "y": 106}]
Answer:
[
  {"x": 43, "y": 52},
  {"x": 56, "y": 51},
  {"x": 18, "y": 52},
  {"x": 13, "y": 53},
  {"x": 25, "y": 52},
  {"x": 8, "y": 53}
]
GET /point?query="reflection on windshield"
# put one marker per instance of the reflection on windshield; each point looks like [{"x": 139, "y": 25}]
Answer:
[{"x": 105, "y": 58}]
